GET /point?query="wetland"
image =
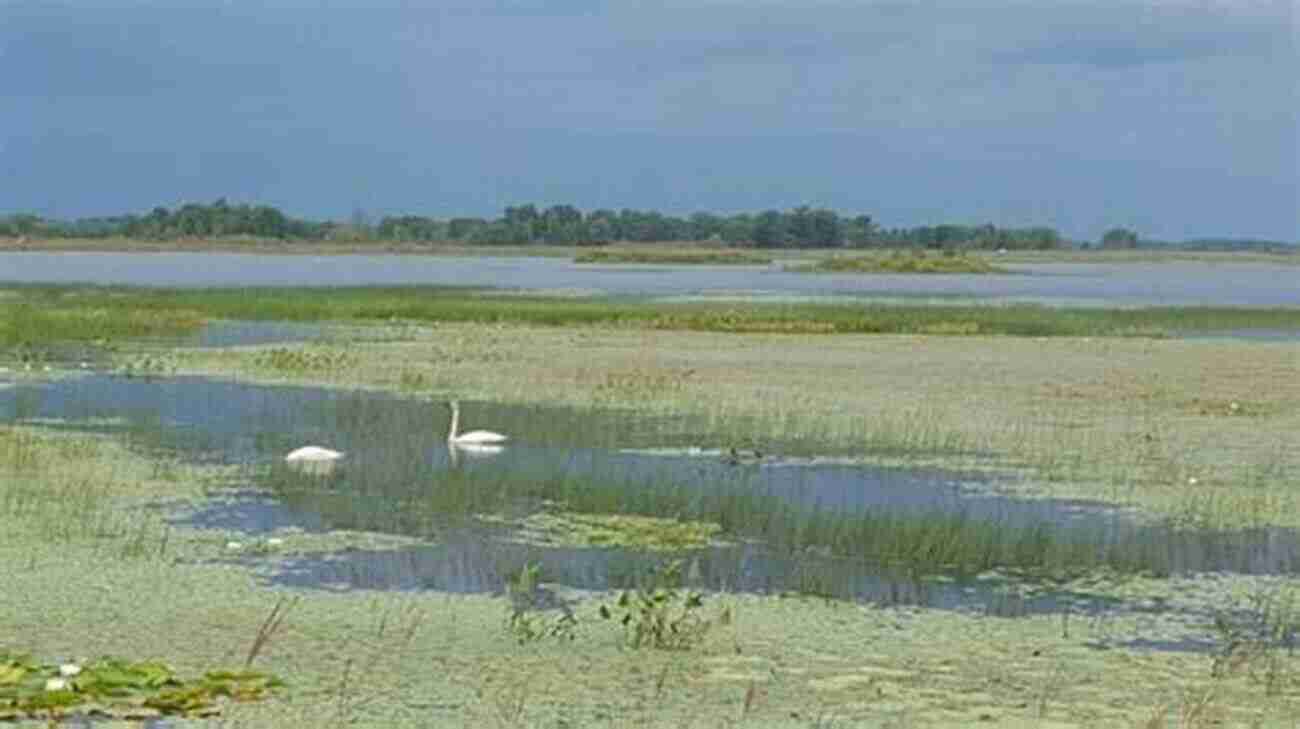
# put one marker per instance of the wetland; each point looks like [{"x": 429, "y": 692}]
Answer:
[{"x": 841, "y": 513}]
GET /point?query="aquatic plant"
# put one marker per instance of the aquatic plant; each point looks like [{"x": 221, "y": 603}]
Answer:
[
  {"x": 119, "y": 688},
  {"x": 659, "y": 614},
  {"x": 1256, "y": 640},
  {"x": 526, "y": 621}
]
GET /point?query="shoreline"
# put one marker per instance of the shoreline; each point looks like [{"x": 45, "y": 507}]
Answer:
[{"x": 425, "y": 248}]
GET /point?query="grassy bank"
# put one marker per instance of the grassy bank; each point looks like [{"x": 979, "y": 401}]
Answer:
[
  {"x": 44, "y": 314},
  {"x": 915, "y": 262},
  {"x": 674, "y": 256}
]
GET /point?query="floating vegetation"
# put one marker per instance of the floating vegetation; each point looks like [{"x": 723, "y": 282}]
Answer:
[
  {"x": 916, "y": 262},
  {"x": 627, "y": 531},
  {"x": 119, "y": 689},
  {"x": 675, "y": 256}
]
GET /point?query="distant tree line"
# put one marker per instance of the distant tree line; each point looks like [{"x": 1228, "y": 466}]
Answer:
[
  {"x": 800, "y": 227},
  {"x": 193, "y": 220}
]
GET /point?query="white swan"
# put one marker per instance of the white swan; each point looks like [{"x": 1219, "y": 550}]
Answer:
[
  {"x": 313, "y": 459},
  {"x": 472, "y": 438}
]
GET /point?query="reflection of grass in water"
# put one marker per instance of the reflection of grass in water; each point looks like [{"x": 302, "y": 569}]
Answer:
[
  {"x": 925, "y": 542},
  {"x": 675, "y": 256},
  {"x": 917, "y": 262},
  {"x": 52, "y": 314}
]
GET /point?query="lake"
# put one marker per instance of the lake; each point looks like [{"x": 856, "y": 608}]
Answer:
[{"x": 1181, "y": 283}]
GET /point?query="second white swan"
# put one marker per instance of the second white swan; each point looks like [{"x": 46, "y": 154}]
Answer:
[
  {"x": 313, "y": 459},
  {"x": 474, "y": 437}
]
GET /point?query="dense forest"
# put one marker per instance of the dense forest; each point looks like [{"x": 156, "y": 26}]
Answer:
[{"x": 801, "y": 227}]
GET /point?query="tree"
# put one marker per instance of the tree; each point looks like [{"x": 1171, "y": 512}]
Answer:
[
  {"x": 1119, "y": 238},
  {"x": 770, "y": 230}
]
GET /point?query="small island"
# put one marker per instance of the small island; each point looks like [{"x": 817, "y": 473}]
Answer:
[
  {"x": 915, "y": 262},
  {"x": 675, "y": 256}
]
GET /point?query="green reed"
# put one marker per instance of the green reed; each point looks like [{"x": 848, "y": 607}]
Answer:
[
  {"x": 923, "y": 542},
  {"x": 48, "y": 314}
]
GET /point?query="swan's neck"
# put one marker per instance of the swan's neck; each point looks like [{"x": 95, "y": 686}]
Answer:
[{"x": 455, "y": 422}]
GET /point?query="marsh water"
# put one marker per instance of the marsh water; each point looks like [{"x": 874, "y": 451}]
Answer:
[
  {"x": 1180, "y": 283},
  {"x": 400, "y": 477}
]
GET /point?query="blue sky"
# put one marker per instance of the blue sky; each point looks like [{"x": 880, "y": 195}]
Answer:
[{"x": 1175, "y": 117}]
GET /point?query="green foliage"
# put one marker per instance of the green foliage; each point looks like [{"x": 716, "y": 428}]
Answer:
[
  {"x": 101, "y": 315},
  {"x": 119, "y": 688},
  {"x": 659, "y": 614},
  {"x": 800, "y": 227},
  {"x": 525, "y": 622},
  {"x": 1119, "y": 238},
  {"x": 983, "y": 237},
  {"x": 42, "y": 315}
]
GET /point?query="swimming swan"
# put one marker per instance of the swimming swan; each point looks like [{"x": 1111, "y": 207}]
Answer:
[
  {"x": 472, "y": 438},
  {"x": 313, "y": 459}
]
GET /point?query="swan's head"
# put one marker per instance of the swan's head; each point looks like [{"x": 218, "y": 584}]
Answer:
[{"x": 453, "y": 405}]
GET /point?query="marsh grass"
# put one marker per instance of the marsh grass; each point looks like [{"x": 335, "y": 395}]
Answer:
[
  {"x": 917, "y": 541},
  {"x": 1258, "y": 640},
  {"x": 409, "y": 659},
  {"x": 52, "y": 314},
  {"x": 55, "y": 490},
  {"x": 40, "y": 317},
  {"x": 1140, "y": 423},
  {"x": 917, "y": 261},
  {"x": 675, "y": 256}
]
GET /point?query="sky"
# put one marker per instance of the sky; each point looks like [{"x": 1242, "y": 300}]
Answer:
[{"x": 1177, "y": 118}]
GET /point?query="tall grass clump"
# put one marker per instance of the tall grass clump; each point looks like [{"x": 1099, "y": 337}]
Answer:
[
  {"x": 61, "y": 489},
  {"x": 101, "y": 321}
]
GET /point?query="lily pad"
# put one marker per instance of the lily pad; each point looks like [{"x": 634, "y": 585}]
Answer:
[{"x": 120, "y": 689}]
